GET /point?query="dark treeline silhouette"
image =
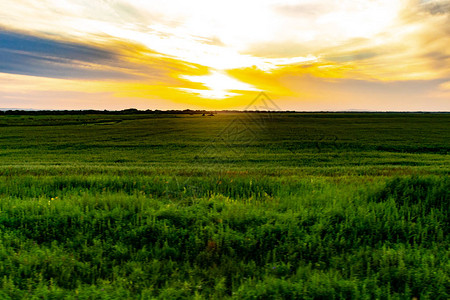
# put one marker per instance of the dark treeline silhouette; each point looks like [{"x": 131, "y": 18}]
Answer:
[
  {"x": 130, "y": 111},
  {"x": 133, "y": 111}
]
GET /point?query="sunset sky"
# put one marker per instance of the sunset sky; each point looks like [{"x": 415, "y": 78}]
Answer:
[{"x": 385, "y": 55}]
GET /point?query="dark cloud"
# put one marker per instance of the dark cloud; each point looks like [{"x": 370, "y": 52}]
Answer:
[
  {"x": 29, "y": 64},
  {"x": 351, "y": 57},
  {"x": 26, "y": 54},
  {"x": 13, "y": 41},
  {"x": 438, "y": 56},
  {"x": 436, "y": 6},
  {"x": 31, "y": 55}
]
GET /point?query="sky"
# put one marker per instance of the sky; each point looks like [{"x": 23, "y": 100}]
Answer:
[{"x": 306, "y": 55}]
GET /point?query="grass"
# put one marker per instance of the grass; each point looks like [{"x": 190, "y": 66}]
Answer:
[{"x": 291, "y": 206}]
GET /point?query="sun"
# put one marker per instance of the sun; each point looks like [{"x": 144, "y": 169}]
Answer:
[{"x": 218, "y": 85}]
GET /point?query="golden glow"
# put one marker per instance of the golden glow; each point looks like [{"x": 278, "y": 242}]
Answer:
[
  {"x": 176, "y": 53},
  {"x": 219, "y": 85}
]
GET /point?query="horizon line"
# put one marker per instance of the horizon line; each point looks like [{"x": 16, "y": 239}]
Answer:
[{"x": 136, "y": 111}]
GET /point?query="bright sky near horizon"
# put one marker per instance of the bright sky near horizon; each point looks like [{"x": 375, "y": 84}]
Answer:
[{"x": 203, "y": 54}]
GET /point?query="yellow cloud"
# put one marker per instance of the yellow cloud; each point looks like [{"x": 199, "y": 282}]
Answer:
[{"x": 445, "y": 86}]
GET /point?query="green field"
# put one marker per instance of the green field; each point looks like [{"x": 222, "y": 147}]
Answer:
[{"x": 244, "y": 206}]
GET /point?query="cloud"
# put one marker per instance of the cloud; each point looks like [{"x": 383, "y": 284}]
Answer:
[
  {"x": 315, "y": 93},
  {"x": 114, "y": 60},
  {"x": 32, "y": 55},
  {"x": 346, "y": 57},
  {"x": 197, "y": 50},
  {"x": 14, "y": 41},
  {"x": 305, "y": 10},
  {"x": 435, "y": 6},
  {"x": 217, "y": 85},
  {"x": 445, "y": 86}
]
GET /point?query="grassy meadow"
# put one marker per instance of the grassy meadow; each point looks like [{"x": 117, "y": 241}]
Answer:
[{"x": 241, "y": 206}]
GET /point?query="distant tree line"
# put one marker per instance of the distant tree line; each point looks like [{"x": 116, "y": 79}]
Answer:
[
  {"x": 129, "y": 111},
  {"x": 133, "y": 111}
]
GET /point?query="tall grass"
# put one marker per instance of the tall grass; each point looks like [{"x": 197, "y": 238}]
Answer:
[
  {"x": 268, "y": 237},
  {"x": 133, "y": 207}
]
